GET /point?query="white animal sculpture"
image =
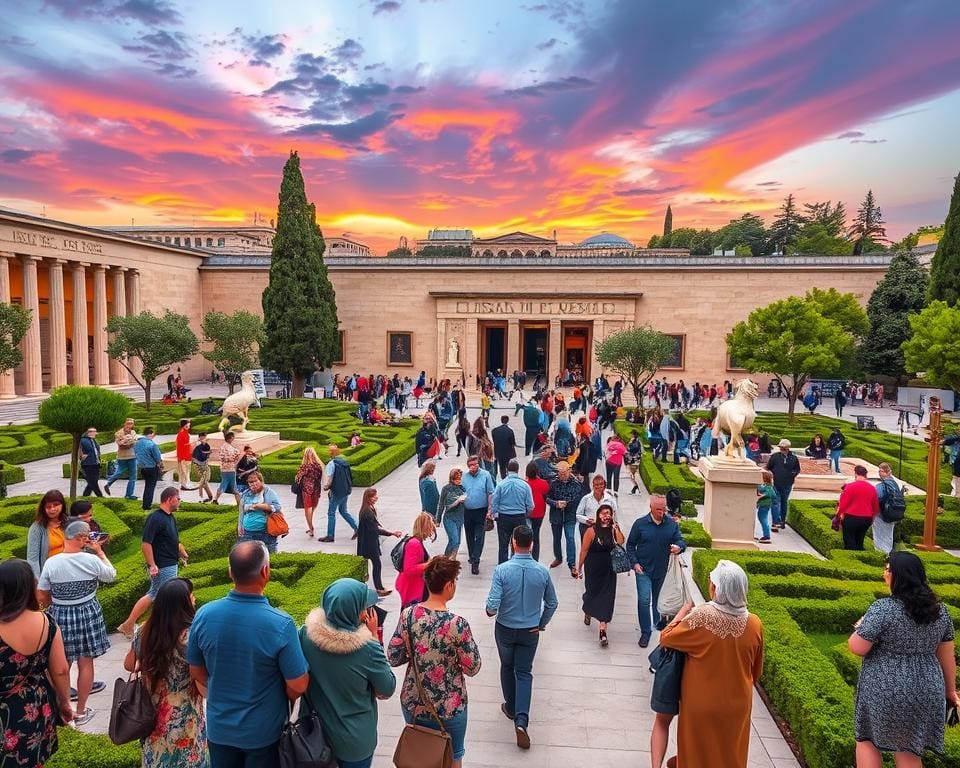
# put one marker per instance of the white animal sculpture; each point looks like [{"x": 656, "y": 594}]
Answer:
[
  {"x": 735, "y": 416},
  {"x": 238, "y": 404}
]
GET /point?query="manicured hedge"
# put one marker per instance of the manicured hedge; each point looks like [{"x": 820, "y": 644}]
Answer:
[
  {"x": 297, "y": 581},
  {"x": 797, "y": 596}
]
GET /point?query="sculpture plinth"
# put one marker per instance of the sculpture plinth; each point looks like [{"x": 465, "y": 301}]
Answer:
[{"x": 730, "y": 501}]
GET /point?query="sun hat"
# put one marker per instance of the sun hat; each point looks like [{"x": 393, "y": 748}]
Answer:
[{"x": 783, "y": 443}]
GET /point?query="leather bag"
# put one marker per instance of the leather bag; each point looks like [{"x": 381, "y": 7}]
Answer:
[
  {"x": 667, "y": 667},
  {"x": 419, "y": 746},
  {"x": 133, "y": 715},
  {"x": 303, "y": 743},
  {"x": 277, "y": 524}
]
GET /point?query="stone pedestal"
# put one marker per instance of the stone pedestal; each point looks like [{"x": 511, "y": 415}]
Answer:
[
  {"x": 261, "y": 442},
  {"x": 730, "y": 501}
]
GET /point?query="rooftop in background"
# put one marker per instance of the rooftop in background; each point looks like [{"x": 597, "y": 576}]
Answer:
[
  {"x": 606, "y": 240},
  {"x": 450, "y": 234},
  {"x": 251, "y": 238}
]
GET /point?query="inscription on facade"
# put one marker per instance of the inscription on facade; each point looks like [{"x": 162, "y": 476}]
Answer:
[
  {"x": 57, "y": 243},
  {"x": 537, "y": 307}
]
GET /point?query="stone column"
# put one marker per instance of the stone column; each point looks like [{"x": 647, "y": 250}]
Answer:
[
  {"x": 7, "y": 390},
  {"x": 513, "y": 346},
  {"x": 133, "y": 308},
  {"x": 101, "y": 368},
  {"x": 555, "y": 352},
  {"x": 58, "y": 325},
  {"x": 32, "y": 364},
  {"x": 81, "y": 360},
  {"x": 118, "y": 374},
  {"x": 598, "y": 334},
  {"x": 470, "y": 360}
]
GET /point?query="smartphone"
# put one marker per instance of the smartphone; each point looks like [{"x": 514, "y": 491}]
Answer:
[{"x": 98, "y": 536}]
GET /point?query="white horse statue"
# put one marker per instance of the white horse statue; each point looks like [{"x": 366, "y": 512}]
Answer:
[
  {"x": 238, "y": 404},
  {"x": 735, "y": 416}
]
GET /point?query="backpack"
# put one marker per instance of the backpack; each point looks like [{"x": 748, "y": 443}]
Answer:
[
  {"x": 396, "y": 554},
  {"x": 893, "y": 507}
]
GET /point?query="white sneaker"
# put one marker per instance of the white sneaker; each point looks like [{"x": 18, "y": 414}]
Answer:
[{"x": 85, "y": 717}]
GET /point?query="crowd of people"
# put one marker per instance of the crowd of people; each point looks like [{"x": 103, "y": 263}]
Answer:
[{"x": 224, "y": 696}]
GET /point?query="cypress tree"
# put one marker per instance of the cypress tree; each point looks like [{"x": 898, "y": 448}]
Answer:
[
  {"x": 668, "y": 222},
  {"x": 299, "y": 306},
  {"x": 902, "y": 292},
  {"x": 945, "y": 269}
]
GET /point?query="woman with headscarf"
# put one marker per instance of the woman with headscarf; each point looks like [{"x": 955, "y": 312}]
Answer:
[
  {"x": 348, "y": 670},
  {"x": 724, "y": 647}
]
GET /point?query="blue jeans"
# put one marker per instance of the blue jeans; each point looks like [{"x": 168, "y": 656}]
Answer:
[
  {"x": 516, "y": 647},
  {"x": 128, "y": 466},
  {"x": 453, "y": 525},
  {"x": 835, "y": 459},
  {"x": 223, "y": 756},
  {"x": 568, "y": 528},
  {"x": 783, "y": 491},
  {"x": 338, "y": 504},
  {"x": 266, "y": 538},
  {"x": 648, "y": 593},
  {"x": 763, "y": 515},
  {"x": 456, "y": 726}
]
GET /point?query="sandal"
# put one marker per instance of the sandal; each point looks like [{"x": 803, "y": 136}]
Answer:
[
  {"x": 603, "y": 638},
  {"x": 586, "y": 620}
]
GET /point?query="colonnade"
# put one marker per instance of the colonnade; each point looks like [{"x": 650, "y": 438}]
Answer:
[{"x": 125, "y": 285}]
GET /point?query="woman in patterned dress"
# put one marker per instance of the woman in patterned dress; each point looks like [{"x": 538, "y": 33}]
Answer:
[
  {"x": 310, "y": 477},
  {"x": 179, "y": 739},
  {"x": 724, "y": 647},
  {"x": 30, "y": 646},
  {"x": 445, "y": 652},
  {"x": 909, "y": 671}
]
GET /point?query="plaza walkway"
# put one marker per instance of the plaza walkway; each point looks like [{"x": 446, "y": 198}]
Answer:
[{"x": 591, "y": 706}]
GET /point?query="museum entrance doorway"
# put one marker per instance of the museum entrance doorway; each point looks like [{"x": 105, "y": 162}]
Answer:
[
  {"x": 575, "y": 352},
  {"x": 534, "y": 340},
  {"x": 493, "y": 347}
]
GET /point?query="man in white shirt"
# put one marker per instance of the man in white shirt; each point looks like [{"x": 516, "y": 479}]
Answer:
[{"x": 587, "y": 509}]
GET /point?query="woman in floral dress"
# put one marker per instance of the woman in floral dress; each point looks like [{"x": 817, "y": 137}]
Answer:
[
  {"x": 310, "y": 477},
  {"x": 179, "y": 739},
  {"x": 445, "y": 652},
  {"x": 30, "y": 646}
]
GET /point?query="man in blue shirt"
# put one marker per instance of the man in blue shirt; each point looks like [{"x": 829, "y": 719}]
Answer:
[
  {"x": 512, "y": 501},
  {"x": 653, "y": 538},
  {"x": 523, "y": 599},
  {"x": 150, "y": 464},
  {"x": 248, "y": 677},
  {"x": 478, "y": 485}
]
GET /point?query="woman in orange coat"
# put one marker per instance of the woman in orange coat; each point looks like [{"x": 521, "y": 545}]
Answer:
[{"x": 724, "y": 647}]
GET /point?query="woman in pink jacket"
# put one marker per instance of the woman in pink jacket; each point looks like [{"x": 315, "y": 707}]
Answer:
[
  {"x": 410, "y": 584},
  {"x": 615, "y": 452}
]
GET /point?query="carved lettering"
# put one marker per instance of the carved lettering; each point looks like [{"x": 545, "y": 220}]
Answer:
[
  {"x": 62, "y": 244},
  {"x": 536, "y": 307}
]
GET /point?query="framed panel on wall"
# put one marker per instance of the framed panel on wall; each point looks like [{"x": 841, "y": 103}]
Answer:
[
  {"x": 342, "y": 340},
  {"x": 676, "y": 359},
  {"x": 733, "y": 364},
  {"x": 399, "y": 348}
]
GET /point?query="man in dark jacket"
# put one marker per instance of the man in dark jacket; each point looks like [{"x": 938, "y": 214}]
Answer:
[
  {"x": 785, "y": 467},
  {"x": 531, "y": 423},
  {"x": 504, "y": 444},
  {"x": 563, "y": 497},
  {"x": 90, "y": 462}
]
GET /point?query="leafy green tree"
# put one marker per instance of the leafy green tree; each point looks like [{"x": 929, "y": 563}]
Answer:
[
  {"x": 867, "y": 230},
  {"x": 702, "y": 243},
  {"x": 299, "y": 305},
  {"x": 668, "y": 222},
  {"x": 909, "y": 242},
  {"x": 833, "y": 218},
  {"x": 635, "y": 354},
  {"x": 400, "y": 252},
  {"x": 75, "y": 409},
  {"x": 679, "y": 238},
  {"x": 157, "y": 342},
  {"x": 932, "y": 348},
  {"x": 902, "y": 291},
  {"x": 236, "y": 339},
  {"x": 816, "y": 239},
  {"x": 654, "y": 242},
  {"x": 792, "y": 340},
  {"x": 842, "y": 308},
  {"x": 945, "y": 269},
  {"x": 747, "y": 230},
  {"x": 446, "y": 251},
  {"x": 14, "y": 323},
  {"x": 786, "y": 227}
]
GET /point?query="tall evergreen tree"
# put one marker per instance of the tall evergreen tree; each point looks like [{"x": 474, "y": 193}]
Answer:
[
  {"x": 668, "y": 222},
  {"x": 945, "y": 269},
  {"x": 299, "y": 306},
  {"x": 786, "y": 227},
  {"x": 902, "y": 292},
  {"x": 833, "y": 218},
  {"x": 867, "y": 227}
]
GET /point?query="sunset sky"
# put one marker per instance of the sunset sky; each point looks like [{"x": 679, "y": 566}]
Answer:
[{"x": 572, "y": 116}]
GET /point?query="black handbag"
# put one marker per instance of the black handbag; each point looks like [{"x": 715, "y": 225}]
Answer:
[
  {"x": 133, "y": 715},
  {"x": 303, "y": 743},
  {"x": 667, "y": 667},
  {"x": 619, "y": 562},
  {"x": 953, "y": 718}
]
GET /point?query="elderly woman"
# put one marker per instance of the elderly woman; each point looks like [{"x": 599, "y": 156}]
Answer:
[
  {"x": 724, "y": 647},
  {"x": 909, "y": 669},
  {"x": 256, "y": 504},
  {"x": 348, "y": 670}
]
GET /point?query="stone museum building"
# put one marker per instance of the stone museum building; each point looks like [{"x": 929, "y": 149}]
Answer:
[{"x": 518, "y": 301}]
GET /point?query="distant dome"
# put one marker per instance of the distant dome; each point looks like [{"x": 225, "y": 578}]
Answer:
[{"x": 607, "y": 240}]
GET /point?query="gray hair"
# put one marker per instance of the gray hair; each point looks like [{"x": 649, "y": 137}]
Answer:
[
  {"x": 75, "y": 530},
  {"x": 730, "y": 582}
]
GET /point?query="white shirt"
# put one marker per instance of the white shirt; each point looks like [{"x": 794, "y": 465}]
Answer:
[
  {"x": 587, "y": 509},
  {"x": 72, "y": 577}
]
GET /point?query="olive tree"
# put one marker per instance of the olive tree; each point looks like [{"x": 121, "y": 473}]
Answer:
[{"x": 635, "y": 354}]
